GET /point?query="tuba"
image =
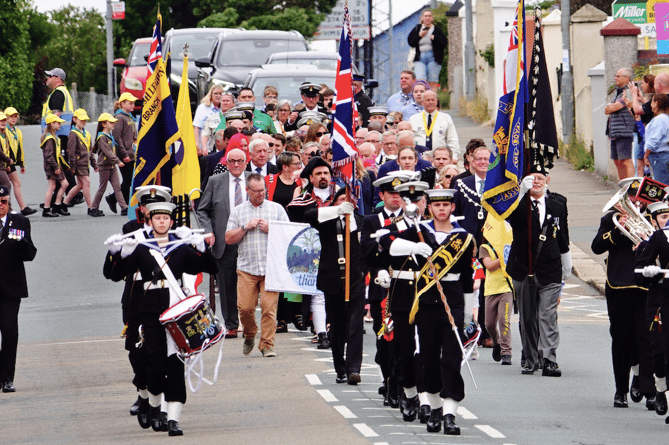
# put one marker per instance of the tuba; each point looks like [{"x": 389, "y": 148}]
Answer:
[{"x": 637, "y": 228}]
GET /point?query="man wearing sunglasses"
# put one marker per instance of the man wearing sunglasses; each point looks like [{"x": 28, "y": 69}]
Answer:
[{"x": 16, "y": 246}]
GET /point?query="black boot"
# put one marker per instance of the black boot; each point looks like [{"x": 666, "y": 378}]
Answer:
[
  {"x": 156, "y": 419},
  {"x": 143, "y": 413},
  {"x": 434, "y": 422},
  {"x": 173, "y": 428},
  {"x": 450, "y": 427},
  {"x": 635, "y": 392},
  {"x": 111, "y": 201},
  {"x": 323, "y": 342},
  {"x": 661, "y": 403},
  {"x": 392, "y": 395},
  {"x": 134, "y": 409},
  {"x": 48, "y": 213},
  {"x": 163, "y": 417},
  {"x": 409, "y": 408},
  {"x": 424, "y": 413}
]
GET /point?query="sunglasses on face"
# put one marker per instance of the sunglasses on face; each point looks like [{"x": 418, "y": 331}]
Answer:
[
  {"x": 271, "y": 144},
  {"x": 319, "y": 133},
  {"x": 4, "y": 201}
]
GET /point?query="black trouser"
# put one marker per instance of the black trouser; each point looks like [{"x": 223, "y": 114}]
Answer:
[
  {"x": 440, "y": 351},
  {"x": 126, "y": 181},
  {"x": 382, "y": 357},
  {"x": 656, "y": 337},
  {"x": 405, "y": 349},
  {"x": 630, "y": 338},
  {"x": 227, "y": 286},
  {"x": 9, "y": 329},
  {"x": 164, "y": 375},
  {"x": 136, "y": 356},
  {"x": 346, "y": 325}
]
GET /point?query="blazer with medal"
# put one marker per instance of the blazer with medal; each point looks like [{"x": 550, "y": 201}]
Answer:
[
  {"x": 16, "y": 246},
  {"x": 443, "y": 130},
  {"x": 461, "y": 270},
  {"x": 548, "y": 267}
]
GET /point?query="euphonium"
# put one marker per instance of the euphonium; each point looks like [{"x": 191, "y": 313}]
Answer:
[{"x": 637, "y": 228}]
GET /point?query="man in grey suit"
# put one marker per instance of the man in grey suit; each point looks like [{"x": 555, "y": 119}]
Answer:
[{"x": 222, "y": 193}]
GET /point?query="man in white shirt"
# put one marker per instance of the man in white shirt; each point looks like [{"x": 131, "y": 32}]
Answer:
[
  {"x": 433, "y": 128},
  {"x": 403, "y": 97},
  {"x": 259, "y": 152}
]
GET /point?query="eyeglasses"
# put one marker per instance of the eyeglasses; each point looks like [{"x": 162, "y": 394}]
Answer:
[
  {"x": 236, "y": 161},
  {"x": 482, "y": 159},
  {"x": 271, "y": 97},
  {"x": 319, "y": 134},
  {"x": 4, "y": 201},
  {"x": 295, "y": 163},
  {"x": 374, "y": 141},
  {"x": 255, "y": 191},
  {"x": 448, "y": 176},
  {"x": 51, "y": 76},
  {"x": 271, "y": 144}
]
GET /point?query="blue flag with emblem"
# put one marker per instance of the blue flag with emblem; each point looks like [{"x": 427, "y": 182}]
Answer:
[{"x": 500, "y": 195}]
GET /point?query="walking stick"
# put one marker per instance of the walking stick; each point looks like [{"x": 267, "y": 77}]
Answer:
[{"x": 413, "y": 212}]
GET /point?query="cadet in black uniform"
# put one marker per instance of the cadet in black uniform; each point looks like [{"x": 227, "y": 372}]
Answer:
[
  {"x": 439, "y": 340},
  {"x": 626, "y": 305},
  {"x": 362, "y": 100}
]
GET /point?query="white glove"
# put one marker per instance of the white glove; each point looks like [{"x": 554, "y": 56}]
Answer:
[
  {"x": 379, "y": 233},
  {"x": 114, "y": 244},
  {"x": 198, "y": 241},
  {"x": 651, "y": 271},
  {"x": 327, "y": 213},
  {"x": 566, "y": 265},
  {"x": 383, "y": 279},
  {"x": 526, "y": 184},
  {"x": 128, "y": 248},
  {"x": 402, "y": 247},
  {"x": 345, "y": 208},
  {"x": 183, "y": 232}
]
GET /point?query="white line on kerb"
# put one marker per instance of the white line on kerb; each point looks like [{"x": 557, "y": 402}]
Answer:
[
  {"x": 490, "y": 431},
  {"x": 313, "y": 379},
  {"x": 327, "y": 395},
  {"x": 345, "y": 412},
  {"x": 365, "y": 430}
]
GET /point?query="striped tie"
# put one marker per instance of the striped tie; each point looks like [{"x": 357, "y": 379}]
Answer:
[{"x": 238, "y": 192}]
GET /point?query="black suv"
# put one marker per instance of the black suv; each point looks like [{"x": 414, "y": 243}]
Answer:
[{"x": 236, "y": 53}]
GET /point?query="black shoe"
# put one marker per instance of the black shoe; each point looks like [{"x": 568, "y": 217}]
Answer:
[
  {"x": 78, "y": 199},
  {"x": 650, "y": 403},
  {"x": 424, "y": 413},
  {"x": 635, "y": 392},
  {"x": 353, "y": 378},
  {"x": 28, "y": 211},
  {"x": 392, "y": 397},
  {"x": 124, "y": 212},
  {"x": 620, "y": 400},
  {"x": 661, "y": 403},
  {"x": 173, "y": 428},
  {"x": 434, "y": 422},
  {"x": 156, "y": 419},
  {"x": 450, "y": 427},
  {"x": 112, "y": 202},
  {"x": 497, "y": 353},
  {"x": 134, "y": 409},
  {"x": 383, "y": 389},
  {"x": 323, "y": 342},
  {"x": 144, "y": 413},
  {"x": 163, "y": 417},
  {"x": 409, "y": 408},
  {"x": 529, "y": 370},
  {"x": 61, "y": 209},
  {"x": 551, "y": 369},
  {"x": 281, "y": 327},
  {"x": 341, "y": 378},
  {"x": 48, "y": 213},
  {"x": 95, "y": 212},
  {"x": 523, "y": 360},
  {"x": 298, "y": 323},
  {"x": 8, "y": 387},
  {"x": 506, "y": 359}
]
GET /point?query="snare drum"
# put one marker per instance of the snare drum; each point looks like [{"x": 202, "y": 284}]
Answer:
[{"x": 192, "y": 325}]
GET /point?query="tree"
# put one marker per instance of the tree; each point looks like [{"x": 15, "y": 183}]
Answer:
[
  {"x": 79, "y": 47},
  {"x": 15, "y": 67}
]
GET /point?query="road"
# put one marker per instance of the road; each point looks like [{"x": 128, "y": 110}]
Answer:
[{"x": 73, "y": 379}]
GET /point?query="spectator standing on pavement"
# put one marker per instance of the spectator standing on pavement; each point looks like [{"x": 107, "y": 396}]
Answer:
[
  {"x": 106, "y": 162},
  {"x": 430, "y": 44},
  {"x": 620, "y": 126},
  {"x": 16, "y": 154},
  {"x": 209, "y": 105},
  {"x": 259, "y": 152},
  {"x": 78, "y": 148},
  {"x": 125, "y": 136},
  {"x": 656, "y": 140},
  {"x": 403, "y": 97},
  {"x": 54, "y": 165},
  {"x": 416, "y": 105},
  {"x": 16, "y": 247},
  {"x": 433, "y": 128},
  {"x": 213, "y": 120},
  {"x": 248, "y": 225},
  {"x": 285, "y": 118},
  {"x": 641, "y": 95}
]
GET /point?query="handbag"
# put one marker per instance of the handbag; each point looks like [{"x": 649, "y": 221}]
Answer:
[{"x": 411, "y": 57}]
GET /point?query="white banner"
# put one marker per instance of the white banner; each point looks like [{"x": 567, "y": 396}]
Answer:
[{"x": 293, "y": 254}]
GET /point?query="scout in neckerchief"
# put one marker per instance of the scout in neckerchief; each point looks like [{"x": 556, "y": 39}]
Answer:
[{"x": 438, "y": 305}]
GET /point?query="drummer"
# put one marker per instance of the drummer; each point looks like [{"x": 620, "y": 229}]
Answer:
[{"x": 162, "y": 259}]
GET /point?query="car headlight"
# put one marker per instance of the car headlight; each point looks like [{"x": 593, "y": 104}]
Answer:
[
  {"x": 224, "y": 83},
  {"x": 133, "y": 84}
]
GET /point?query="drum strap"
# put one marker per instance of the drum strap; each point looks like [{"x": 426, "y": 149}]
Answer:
[{"x": 169, "y": 276}]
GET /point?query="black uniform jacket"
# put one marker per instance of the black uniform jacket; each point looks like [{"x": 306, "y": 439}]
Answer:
[
  {"x": 654, "y": 249},
  {"x": 620, "y": 262},
  {"x": 13, "y": 252},
  {"x": 548, "y": 267}
]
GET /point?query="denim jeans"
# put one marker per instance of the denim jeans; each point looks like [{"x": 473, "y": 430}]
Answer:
[
  {"x": 426, "y": 68},
  {"x": 658, "y": 162}
]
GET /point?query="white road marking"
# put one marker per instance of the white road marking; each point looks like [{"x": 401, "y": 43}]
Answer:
[
  {"x": 347, "y": 413},
  {"x": 490, "y": 431},
  {"x": 327, "y": 395},
  {"x": 465, "y": 413},
  {"x": 365, "y": 430},
  {"x": 313, "y": 379},
  {"x": 75, "y": 342}
]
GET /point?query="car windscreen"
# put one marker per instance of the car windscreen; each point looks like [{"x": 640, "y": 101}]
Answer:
[
  {"x": 199, "y": 45},
  {"x": 253, "y": 52},
  {"x": 288, "y": 86},
  {"x": 139, "y": 51},
  {"x": 321, "y": 64}
]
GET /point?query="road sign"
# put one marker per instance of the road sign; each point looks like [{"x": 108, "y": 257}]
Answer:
[
  {"x": 118, "y": 10},
  {"x": 330, "y": 27}
]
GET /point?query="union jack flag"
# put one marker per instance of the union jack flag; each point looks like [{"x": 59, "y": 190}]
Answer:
[
  {"x": 344, "y": 150},
  {"x": 156, "y": 51}
]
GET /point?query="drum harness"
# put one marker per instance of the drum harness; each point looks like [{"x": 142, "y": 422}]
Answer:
[{"x": 189, "y": 361}]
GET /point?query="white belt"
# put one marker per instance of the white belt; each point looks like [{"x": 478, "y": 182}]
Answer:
[
  {"x": 408, "y": 275},
  {"x": 160, "y": 284}
]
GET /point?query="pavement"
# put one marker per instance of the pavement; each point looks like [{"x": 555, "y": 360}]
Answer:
[{"x": 587, "y": 193}]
